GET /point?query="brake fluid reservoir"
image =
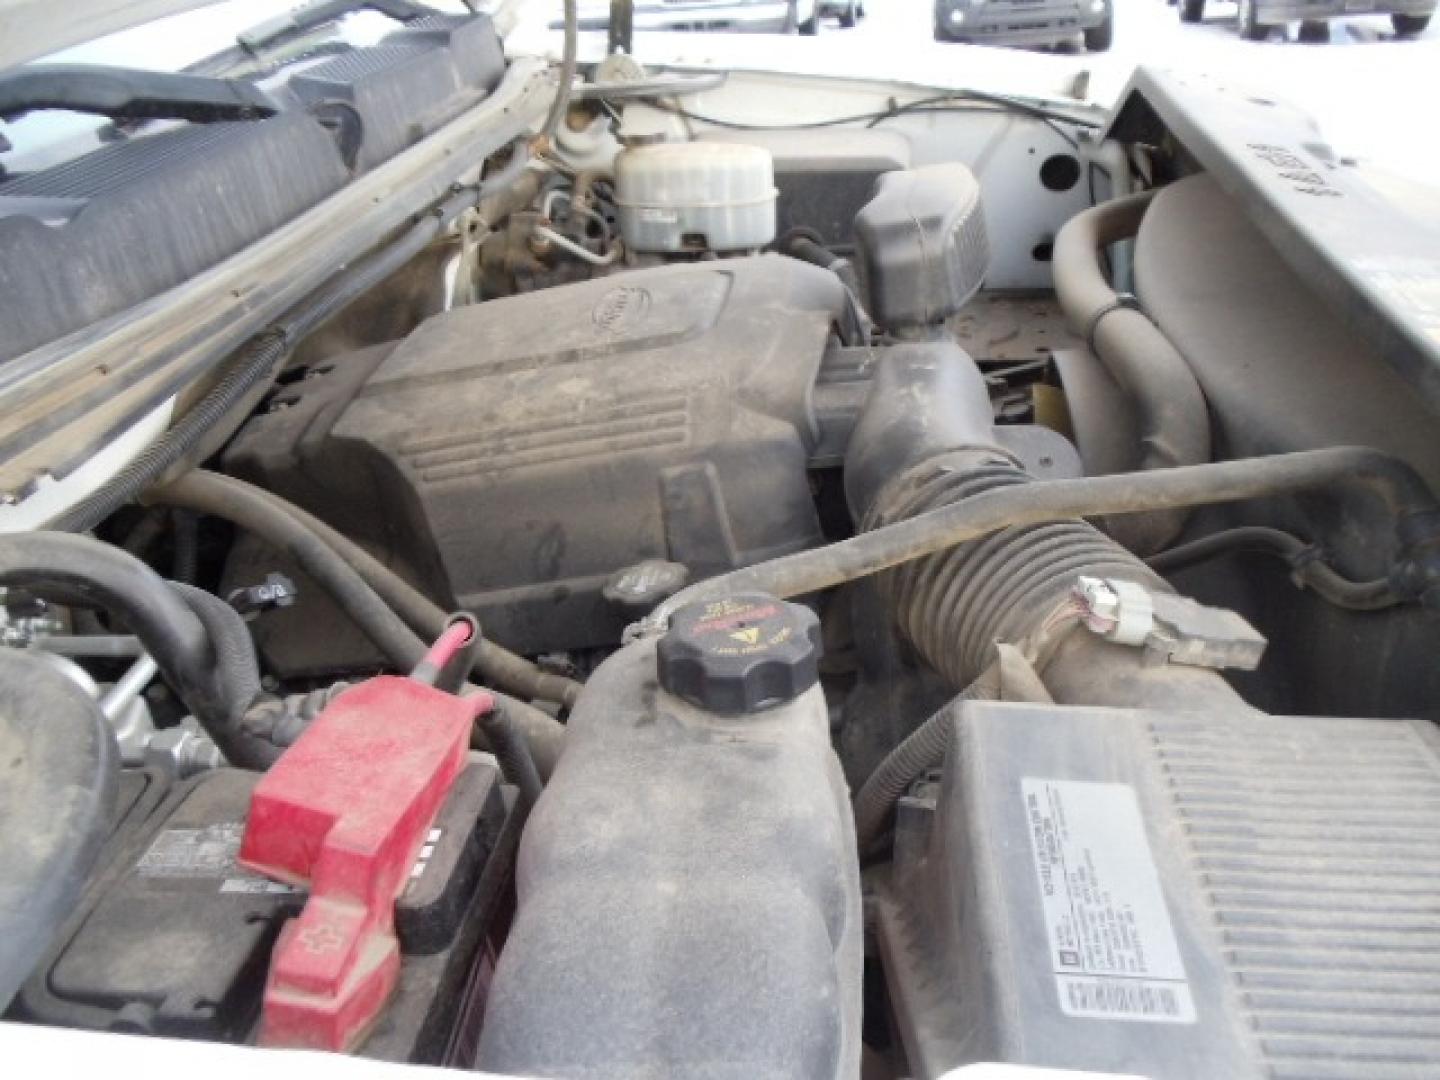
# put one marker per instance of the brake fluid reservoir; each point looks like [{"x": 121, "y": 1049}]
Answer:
[
  {"x": 695, "y": 196},
  {"x": 688, "y": 891}
]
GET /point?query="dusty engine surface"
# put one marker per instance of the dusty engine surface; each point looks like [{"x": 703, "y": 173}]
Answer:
[
  {"x": 632, "y": 641},
  {"x": 526, "y": 449}
]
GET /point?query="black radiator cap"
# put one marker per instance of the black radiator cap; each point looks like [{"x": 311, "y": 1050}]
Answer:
[{"x": 740, "y": 655}]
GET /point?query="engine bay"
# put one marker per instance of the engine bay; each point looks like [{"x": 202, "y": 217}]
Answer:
[{"x": 702, "y": 598}]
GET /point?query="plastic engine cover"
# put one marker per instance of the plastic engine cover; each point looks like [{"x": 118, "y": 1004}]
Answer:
[
  {"x": 1172, "y": 895},
  {"x": 688, "y": 896},
  {"x": 525, "y": 449}
]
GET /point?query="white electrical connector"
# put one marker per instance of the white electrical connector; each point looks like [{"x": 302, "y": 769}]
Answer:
[
  {"x": 1171, "y": 629},
  {"x": 1119, "y": 610}
]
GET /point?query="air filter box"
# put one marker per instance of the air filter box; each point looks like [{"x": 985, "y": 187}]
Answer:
[
  {"x": 922, "y": 246},
  {"x": 1173, "y": 895}
]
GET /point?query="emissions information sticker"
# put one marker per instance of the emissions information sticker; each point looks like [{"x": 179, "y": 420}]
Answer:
[{"x": 1112, "y": 946}]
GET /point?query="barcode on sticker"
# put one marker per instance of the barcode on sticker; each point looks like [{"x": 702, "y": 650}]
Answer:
[{"x": 1125, "y": 999}]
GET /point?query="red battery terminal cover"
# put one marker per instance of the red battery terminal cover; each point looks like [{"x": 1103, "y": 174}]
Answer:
[{"x": 345, "y": 812}]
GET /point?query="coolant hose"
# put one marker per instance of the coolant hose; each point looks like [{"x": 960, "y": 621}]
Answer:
[
  {"x": 248, "y": 508},
  {"x": 200, "y": 644},
  {"x": 805, "y": 246},
  {"x": 58, "y": 776},
  {"x": 342, "y": 567},
  {"x": 512, "y": 751},
  {"x": 1173, "y": 419},
  {"x": 1306, "y": 568}
]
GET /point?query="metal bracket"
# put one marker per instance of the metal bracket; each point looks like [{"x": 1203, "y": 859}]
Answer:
[{"x": 621, "y": 30}]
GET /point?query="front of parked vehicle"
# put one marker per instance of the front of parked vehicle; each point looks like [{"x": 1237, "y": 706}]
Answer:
[
  {"x": 1255, "y": 18},
  {"x": 707, "y": 16},
  {"x": 626, "y": 567},
  {"x": 1006, "y": 22}
]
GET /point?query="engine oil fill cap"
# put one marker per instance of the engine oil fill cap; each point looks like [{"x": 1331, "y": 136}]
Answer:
[{"x": 740, "y": 655}]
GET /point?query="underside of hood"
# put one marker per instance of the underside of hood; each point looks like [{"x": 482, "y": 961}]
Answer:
[{"x": 30, "y": 29}]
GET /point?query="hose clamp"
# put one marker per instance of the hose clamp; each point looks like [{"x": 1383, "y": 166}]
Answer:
[{"x": 1122, "y": 302}]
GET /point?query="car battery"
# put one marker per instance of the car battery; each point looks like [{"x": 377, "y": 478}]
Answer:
[
  {"x": 1169, "y": 894},
  {"x": 173, "y": 937}
]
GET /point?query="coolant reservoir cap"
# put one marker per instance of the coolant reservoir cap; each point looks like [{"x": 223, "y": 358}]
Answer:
[{"x": 740, "y": 655}]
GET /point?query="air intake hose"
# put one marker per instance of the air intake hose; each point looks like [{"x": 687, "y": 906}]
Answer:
[{"x": 926, "y": 441}]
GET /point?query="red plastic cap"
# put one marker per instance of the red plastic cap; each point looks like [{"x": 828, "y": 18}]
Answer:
[{"x": 346, "y": 810}]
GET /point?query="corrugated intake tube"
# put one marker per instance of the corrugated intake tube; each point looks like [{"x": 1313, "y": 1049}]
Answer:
[{"x": 973, "y": 554}]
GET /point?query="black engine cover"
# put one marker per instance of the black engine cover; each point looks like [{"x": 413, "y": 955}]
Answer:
[{"x": 514, "y": 454}]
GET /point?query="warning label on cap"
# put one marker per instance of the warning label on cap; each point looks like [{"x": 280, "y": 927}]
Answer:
[
  {"x": 743, "y": 628},
  {"x": 1112, "y": 946}
]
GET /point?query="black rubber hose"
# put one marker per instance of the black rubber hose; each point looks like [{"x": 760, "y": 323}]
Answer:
[
  {"x": 266, "y": 516},
  {"x": 260, "y": 360},
  {"x": 1391, "y": 480},
  {"x": 807, "y": 248},
  {"x": 495, "y": 665},
  {"x": 280, "y": 721},
  {"x": 280, "y": 523},
  {"x": 1306, "y": 569},
  {"x": 1174, "y": 420},
  {"x": 922, "y": 750},
  {"x": 257, "y": 361},
  {"x": 58, "y": 776},
  {"x": 185, "y": 528},
  {"x": 804, "y": 245},
  {"x": 201, "y": 646},
  {"x": 247, "y": 507},
  {"x": 512, "y": 752}
]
